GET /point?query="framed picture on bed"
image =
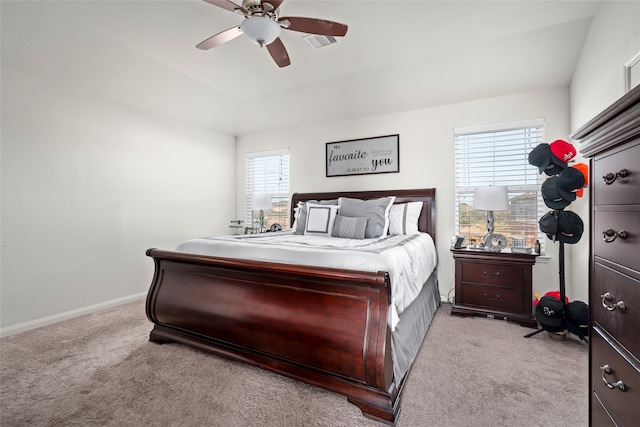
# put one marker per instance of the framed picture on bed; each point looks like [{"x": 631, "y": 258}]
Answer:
[{"x": 379, "y": 154}]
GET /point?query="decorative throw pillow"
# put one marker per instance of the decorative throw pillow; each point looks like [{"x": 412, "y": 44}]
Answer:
[
  {"x": 377, "y": 210},
  {"x": 300, "y": 218},
  {"x": 349, "y": 227},
  {"x": 320, "y": 219},
  {"x": 403, "y": 218}
]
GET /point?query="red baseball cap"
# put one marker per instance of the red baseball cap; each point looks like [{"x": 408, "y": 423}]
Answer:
[
  {"x": 584, "y": 169},
  {"x": 563, "y": 150},
  {"x": 553, "y": 294}
]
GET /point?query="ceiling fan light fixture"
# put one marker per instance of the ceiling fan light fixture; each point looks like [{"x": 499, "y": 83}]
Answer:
[{"x": 260, "y": 29}]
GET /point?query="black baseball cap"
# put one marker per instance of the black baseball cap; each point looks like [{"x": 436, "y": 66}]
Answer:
[
  {"x": 577, "y": 318},
  {"x": 569, "y": 182},
  {"x": 562, "y": 226},
  {"x": 542, "y": 157},
  {"x": 550, "y": 314},
  {"x": 570, "y": 227},
  {"x": 551, "y": 194},
  {"x": 549, "y": 224}
]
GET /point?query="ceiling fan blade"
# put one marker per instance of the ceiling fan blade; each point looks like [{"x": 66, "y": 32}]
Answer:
[
  {"x": 275, "y": 3},
  {"x": 227, "y": 4},
  {"x": 219, "y": 38},
  {"x": 313, "y": 26},
  {"x": 279, "y": 53}
]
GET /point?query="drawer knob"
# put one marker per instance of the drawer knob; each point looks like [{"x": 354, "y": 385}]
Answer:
[
  {"x": 496, "y": 298},
  {"x": 491, "y": 275},
  {"x": 609, "y": 305},
  {"x": 606, "y": 370},
  {"x": 610, "y": 178},
  {"x": 609, "y": 235}
]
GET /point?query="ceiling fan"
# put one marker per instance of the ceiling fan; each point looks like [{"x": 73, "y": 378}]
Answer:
[{"x": 262, "y": 25}]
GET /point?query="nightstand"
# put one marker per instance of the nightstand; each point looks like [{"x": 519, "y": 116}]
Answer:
[{"x": 494, "y": 284}]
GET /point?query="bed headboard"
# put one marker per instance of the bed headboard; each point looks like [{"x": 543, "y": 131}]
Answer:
[{"x": 426, "y": 222}]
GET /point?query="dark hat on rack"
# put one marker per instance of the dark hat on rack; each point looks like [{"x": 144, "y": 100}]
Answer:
[
  {"x": 576, "y": 315},
  {"x": 570, "y": 181},
  {"x": 562, "y": 226},
  {"x": 551, "y": 194},
  {"x": 542, "y": 157},
  {"x": 549, "y": 224},
  {"x": 550, "y": 314}
]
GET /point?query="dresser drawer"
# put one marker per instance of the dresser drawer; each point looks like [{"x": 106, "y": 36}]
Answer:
[
  {"x": 619, "y": 250},
  {"x": 599, "y": 416},
  {"x": 507, "y": 299},
  {"x": 624, "y": 190},
  {"x": 493, "y": 274},
  {"x": 623, "y": 405},
  {"x": 623, "y": 325}
]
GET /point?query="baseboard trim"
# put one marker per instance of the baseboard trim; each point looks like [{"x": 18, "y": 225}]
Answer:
[{"x": 49, "y": 320}]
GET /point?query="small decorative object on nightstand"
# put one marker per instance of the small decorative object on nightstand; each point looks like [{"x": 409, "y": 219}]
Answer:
[{"x": 494, "y": 284}]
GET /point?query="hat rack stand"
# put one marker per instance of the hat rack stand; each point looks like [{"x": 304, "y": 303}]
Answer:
[
  {"x": 564, "y": 185},
  {"x": 561, "y": 284}
]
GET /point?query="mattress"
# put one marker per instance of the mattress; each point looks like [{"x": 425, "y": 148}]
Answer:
[{"x": 409, "y": 259}]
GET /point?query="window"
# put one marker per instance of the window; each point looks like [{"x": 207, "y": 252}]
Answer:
[
  {"x": 267, "y": 173},
  {"x": 498, "y": 155}
]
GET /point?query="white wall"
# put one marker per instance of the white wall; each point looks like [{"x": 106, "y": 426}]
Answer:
[
  {"x": 426, "y": 157},
  {"x": 614, "y": 37},
  {"x": 93, "y": 172}
]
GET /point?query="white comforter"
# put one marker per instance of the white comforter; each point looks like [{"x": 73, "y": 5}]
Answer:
[{"x": 409, "y": 259}]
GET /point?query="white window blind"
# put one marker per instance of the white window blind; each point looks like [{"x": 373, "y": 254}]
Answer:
[
  {"x": 268, "y": 173},
  {"x": 498, "y": 155}
]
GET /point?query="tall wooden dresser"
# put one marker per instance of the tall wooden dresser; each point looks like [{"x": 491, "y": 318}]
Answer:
[{"x": 611, "y": 141}]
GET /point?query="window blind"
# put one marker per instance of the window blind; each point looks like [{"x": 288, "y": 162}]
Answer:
[
  {"x": 268, "y": 173},
  {"x": 498, "y": 155}
]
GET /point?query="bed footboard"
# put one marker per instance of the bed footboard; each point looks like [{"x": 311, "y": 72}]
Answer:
[{"x": 323, "y": 326}]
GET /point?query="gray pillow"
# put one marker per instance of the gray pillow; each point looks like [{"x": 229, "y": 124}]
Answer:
[
  {"x": 377, "y": 210},
  {"x": 301, "y": 218},
  {"x": 349, "y": 228}
]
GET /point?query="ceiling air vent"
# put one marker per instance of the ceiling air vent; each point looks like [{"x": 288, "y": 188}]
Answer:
[{"x": 320, "y": 41}]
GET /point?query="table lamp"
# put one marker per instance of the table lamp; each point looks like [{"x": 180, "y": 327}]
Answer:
[
  {"x": 490, "y": 198},
  {"x": 261, "y": 202}
]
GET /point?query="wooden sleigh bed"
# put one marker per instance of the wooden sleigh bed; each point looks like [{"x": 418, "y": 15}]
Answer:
[{"x": 323, "y": 326}]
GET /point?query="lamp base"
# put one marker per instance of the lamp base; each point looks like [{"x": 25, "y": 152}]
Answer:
[{"x": 494, "y": 242}]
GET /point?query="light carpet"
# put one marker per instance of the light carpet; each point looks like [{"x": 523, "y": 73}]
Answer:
[{"x": 100, "y": 369}]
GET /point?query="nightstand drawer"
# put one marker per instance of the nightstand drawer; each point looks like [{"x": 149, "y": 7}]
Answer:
[
  {"x": 493, "y": 297},
  {"x": 492, "y": 274}
]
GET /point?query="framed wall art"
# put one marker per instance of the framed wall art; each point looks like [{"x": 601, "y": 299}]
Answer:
[{"x": 380, "y": 154}]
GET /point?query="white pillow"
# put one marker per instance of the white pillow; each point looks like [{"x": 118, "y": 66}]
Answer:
[
  {"x": 377, "y": 210},
  {"x": 300, "y": 219},
  {"x": 320, "y": 219},
  {"x": 403, "y": 218}
]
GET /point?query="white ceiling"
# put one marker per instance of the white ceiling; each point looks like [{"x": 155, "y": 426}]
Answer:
[{"x": 397, "y": 55}]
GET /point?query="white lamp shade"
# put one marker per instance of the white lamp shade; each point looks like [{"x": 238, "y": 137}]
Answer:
[
  {"x": 260, "y": 29},
  {"x": 491, "y": 198},
  {"x": 261, "y": 202}
]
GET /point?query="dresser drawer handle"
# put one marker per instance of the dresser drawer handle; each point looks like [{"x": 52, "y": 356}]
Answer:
[
  {"x": 606, "y": 302},
  {"x": 611, "y": 177},
  {"x": 609, "y": 235},
  {"x": 606, "y": 370},
  {"x": 491, "y": 275},
  {"x": 496, "y": 298}
]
